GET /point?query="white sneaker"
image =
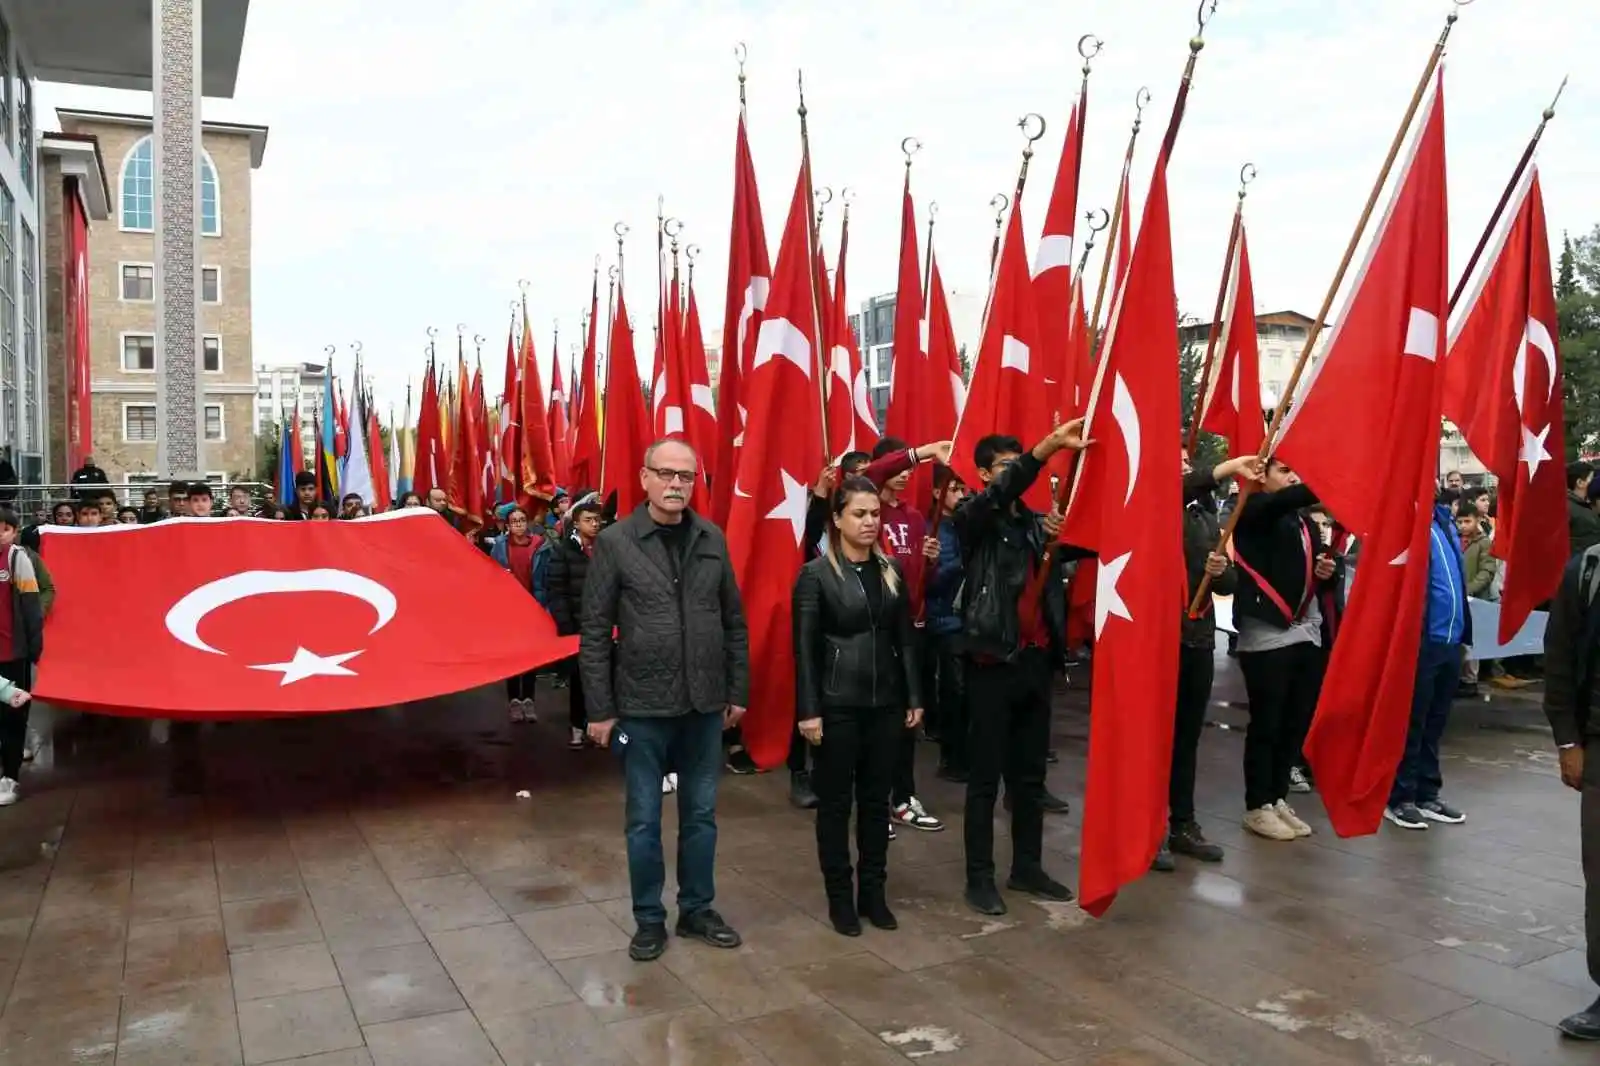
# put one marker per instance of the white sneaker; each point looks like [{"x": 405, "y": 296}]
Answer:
[
  {"x": 1285, "y": 812},
  {"x": 913, "y": 814},
  {"x": 1298, "y": 781},
  {"x": 8, "y": 792},
  {"x": 669, "y": 783},
  {"x": 1266, "y": 822}
]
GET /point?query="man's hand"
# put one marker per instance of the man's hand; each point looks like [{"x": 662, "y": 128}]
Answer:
[
  {"x": 930, "y": 549},
  {"x": 1324, "y": 567},
  {"x": 811, "y": 729},
  {"x": 731, "y": 716},
  {"x": 1052, "y": 523},
  {"x": 938, "y": 451},
  {"x": 1572, "y": 768},
  {"x": 913, "y": 717},
  {"x": 825, "y": 482},
  {"x": 1068, "y": 436},
  {"x": 1216, "y": 564},
  {"x": 600, "y": 732},
  {"x": 1249, "y": 467}
]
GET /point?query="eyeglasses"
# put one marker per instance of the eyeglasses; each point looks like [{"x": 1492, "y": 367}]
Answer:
[{"x": 682, "y": 477}]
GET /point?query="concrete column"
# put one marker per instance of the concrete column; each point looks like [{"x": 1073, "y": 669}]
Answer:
[{"x": 175, "y": 68}]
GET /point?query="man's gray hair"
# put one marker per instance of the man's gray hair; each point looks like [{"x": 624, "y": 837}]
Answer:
[{"x": 650, "y": 452}]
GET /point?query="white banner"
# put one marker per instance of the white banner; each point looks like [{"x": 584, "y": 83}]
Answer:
[{"x": 1529, "y": 640}]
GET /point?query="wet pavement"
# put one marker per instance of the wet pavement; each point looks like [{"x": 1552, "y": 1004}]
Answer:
[{"x": 367, "y": 890}]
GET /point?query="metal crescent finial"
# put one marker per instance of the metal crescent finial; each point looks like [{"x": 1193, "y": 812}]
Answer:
[
  {"x": 355, "y": 346},
  {"x": 1089, "y": 46},
  {"x": 1203, "y": 15},
  {"x": 522, "y": 285},
  {"x": 1247, "y": 174},
  {"x": 672, "y": 227},
  {"x": 478, "y": 339},
  {"x": 331, "y": 350},
  {"x": 611, "y": 272},
  {"x": 1022, "y": 124},
  {"x": 824, "y": 194},
  {"x": 597, "y": 262},
  {"x": 620, "y": 229},
  {"x": 433, "y": 331},
  {"x": 910, "y": 146},
  {"x": 1000, "y": 202},
  {"x": 691, "y": 253},
  {"x": 1140, "y": 99},
  {"x": 933, "y": 210},
  {"x": 1550, "y": 112},
  {"x": 514, "y": 307},
  {"x": 847, "y": 195},
  {"x": 461, "y": 329},
  {"x": 1098, "y": 212},
  {"x": 800, "y": 87},
  {"x": 740, "y": 54}
]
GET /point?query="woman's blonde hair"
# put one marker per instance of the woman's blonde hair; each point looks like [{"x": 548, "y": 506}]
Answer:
[{"x": 831, "y": 549}]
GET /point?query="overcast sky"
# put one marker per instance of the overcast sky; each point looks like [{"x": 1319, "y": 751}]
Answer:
[{"x": 420, "y": 163}]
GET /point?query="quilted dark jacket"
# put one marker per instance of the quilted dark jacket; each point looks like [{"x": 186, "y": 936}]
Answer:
[{"x": 681, "y": 642}]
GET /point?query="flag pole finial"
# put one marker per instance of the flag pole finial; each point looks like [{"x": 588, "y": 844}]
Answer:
[
  {"x": 1204, "y": 14},
  {"x": 477, "y": 344},
  {"x": 1025, "y": 124},
  {"x": 740, "y": 54},
  {"x": 910, "y": 146},
  {"x": 1089, "y": 46},
  {"x": 1089, "y": 218},
  {"x": 824, "y": 195},
  {"x": 691, "y": 253},
  {"x": 1247, "y": 174},
  {"x": 1550, "y": 112}
]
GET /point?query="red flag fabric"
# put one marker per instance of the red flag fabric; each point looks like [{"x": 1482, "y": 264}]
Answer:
[
  {"x": 347, "y": 617},
  {"x": 627, "y": 419},
  {"x": 509, "y": 446},
  {"x": 586, "y": 405},
  {"x": 1007, "y": 393},
  {"x": 839, "y": 383},
  {"x": 466, "y": 460},
  {"x": 488, "y": 467},
  {"x": 1232, "y": 407},
  {"x": 296, "y": 446},
  {"x": 1503, "y": 389},
  {"x": 377, "y": 461},
  {"x": 1052, "y": 270},
  {"x": 429, "y": 471},
  {"x": 538, "y": 481},
  {"x": 700, "y": 421},
  {"x": 783, "y": 449},
  {"x": 1139, "y": 603},
  {"x": 914, "y": 411},
  {"x": 749, "y": 277},
  {"x": 944, "y": 358},
  {"x": 1365, "y": 437},
  {"x": 862, "y": 420},
  {"x": 341, "y": 421},
  {"x": 557, "y": 421},
  {"x": 1125, "y": 239}
]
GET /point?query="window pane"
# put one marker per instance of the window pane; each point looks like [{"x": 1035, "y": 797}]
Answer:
[
  {"x": 5, "y": 80},
  {"x": 30, "y": 341},
  {"x": 211, "y": 348},
  {"x": 25, "y": 127},
  {"x": 210, "y": 218},
  {"x": 138, "y": 283},
  {"x": 8, "y": 319},
  {"x": 138, "y": 188},
  {"x": 211, "y": 285},
  {"x": 138, "y": 352},
  {"x": 139, "y": 422},
  {"x": 213, "y": 421}
]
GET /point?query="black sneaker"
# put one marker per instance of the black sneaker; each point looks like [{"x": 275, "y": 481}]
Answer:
[
  {"x": 707, "y": 925},
  {"x": 1163, "y": 863},
  {"x": 1186, "y": 839},
  {"x": 1054, "y": 804},
  {"x": 1584, "y": 1025},
  {"x": 740, "y": 762},
  {"x": 1038, "y": 883},
  {"x": 800, "y": 793},
  {"x": 1406, "y": 816},
  {"x": 985, "y": 898},
  {"x": 1051, "y": 756},
  {"x": 1437, "y": 810},
  {"x": 648, "y": 943}
]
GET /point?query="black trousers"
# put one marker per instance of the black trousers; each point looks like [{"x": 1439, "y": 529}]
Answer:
[
  {"x": 520, "y": 686},
  {"x": 855, "y": 762},
  {"x": 800, "y": 753},
  {"x": 1008, "y": 734},
  {"x": 951, "y": 697},
  {"x": 1196, "y": 670},
  {"x": 14, "y": 720},
  {"x": 1589, "y": 835},
  {"x": 1282, "y": 686},
  {"x": 577, "y": 712}
]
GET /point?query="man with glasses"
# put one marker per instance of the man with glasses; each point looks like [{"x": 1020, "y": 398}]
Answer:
[{"x": 676, "y": 676}]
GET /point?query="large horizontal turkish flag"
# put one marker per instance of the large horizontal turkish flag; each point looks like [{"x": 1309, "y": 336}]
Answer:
[{"x": 229, "y": 617}]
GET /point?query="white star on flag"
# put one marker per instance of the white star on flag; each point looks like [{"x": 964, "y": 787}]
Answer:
[
  {"x": 793, "y": 507},
  {"x": 309, "y": 664},
  {"x": 1107, "y": 600},
  {"x": 1533, "y": 449}
]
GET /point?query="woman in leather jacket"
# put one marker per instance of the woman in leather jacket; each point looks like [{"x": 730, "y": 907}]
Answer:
[{"x": 857, "y": 690}]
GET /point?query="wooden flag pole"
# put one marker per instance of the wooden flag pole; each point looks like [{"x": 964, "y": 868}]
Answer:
[
  {"x": 1247, "y": 174},
  {"x": 1140, "y": 99},
  {"x": 1505, "y": 197},
  {"x": 615, "y": 273},
  {"x": 1315, "y": 332},
  {"x": 818, "y": 365}
]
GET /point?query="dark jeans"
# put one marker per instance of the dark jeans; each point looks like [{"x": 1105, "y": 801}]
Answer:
[
  {"x": 692, "y": 745},
  {"x": 1196, "y": 667},
  {"x": 905, "y": 763},
  {"x": 951, "y": 697},
  {"x": 577, "y": 713},
  {"x": 1589, "y": 835},
  {"x": 14, "y": 720},
  {"x": 800, "y": 753},
  {"x": 1008, "y": 733},
  {"x": 520, "y": 686},
  {"x": 1282, "y": 686},
  {"x": 1418, "y": 779},
  {"x": 854, "y": 762}
]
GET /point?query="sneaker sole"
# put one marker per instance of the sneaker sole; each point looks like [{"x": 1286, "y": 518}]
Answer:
[
  {"x": 1274, "y": 837},
  {"x": 1435, "y": 816},
  {"x": 937, "y": 827},
  {"x": 1413, "y": 826}
]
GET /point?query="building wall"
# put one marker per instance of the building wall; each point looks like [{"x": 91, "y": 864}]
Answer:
[
  {"x": 23, "y": 415},
  {"x": 112, "y": 317},
  {"x": 53, "y": 222}
]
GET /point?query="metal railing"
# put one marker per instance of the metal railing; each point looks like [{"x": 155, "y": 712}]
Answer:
[{"x": 33, "y": 503}]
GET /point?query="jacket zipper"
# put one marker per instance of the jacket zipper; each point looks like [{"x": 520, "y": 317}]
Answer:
[
  {"x": 872, "y": 624},
  {"x": 1437, "y": 539}
]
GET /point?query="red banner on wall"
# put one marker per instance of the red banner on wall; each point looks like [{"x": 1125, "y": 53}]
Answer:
[{"x": 79, "y": 409}]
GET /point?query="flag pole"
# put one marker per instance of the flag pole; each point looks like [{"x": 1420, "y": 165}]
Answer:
[
  {"x": 615, "y": 272},
  {"x": 818, "y": 367},
  {"x": 927, "y": 281},
  {"x": 1505, "y": 197},
  {"x": 1247, "y": 174},
  {"x": 1001, "y": 204},
  {"x": 1314, "y": 333},
  {"x": 1140, "y": 99}
]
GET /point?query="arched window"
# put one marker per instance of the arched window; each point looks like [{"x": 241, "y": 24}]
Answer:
[{"x": 139, "y": 191}]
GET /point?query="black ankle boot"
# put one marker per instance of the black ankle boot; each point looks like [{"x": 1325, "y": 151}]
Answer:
[
  {"x": 872, "y": 905},
  {"x": 842, "y": 913}
]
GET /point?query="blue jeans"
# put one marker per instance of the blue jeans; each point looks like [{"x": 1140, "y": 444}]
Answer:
[
  {"x": 691, "y": 745},
  {"x": 1418, "y": 779}
]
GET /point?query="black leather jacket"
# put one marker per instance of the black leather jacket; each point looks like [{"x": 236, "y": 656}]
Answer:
[
  {"x": 845, "y": 654},
  {"x": 1001, "y": 542}
]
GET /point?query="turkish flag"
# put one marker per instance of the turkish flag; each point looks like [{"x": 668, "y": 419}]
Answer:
[
  {"x": 846, "y": 371},
  {"x": 509, "y": 445},
  {"x": 627, "y": 419},
  {"x": 1007, "y": 394},
  {"x": 939, "y": 338},
  {"x": 749, "y": 277},
  {"x": 249, "y": 617},
  {"x": 535, "y": 452},
  {"x": 1503, "y": 389},
  {"x": 1139, "y": 600},
  {"x": 1054, "y": 291},
  {"x": 783, "y": 449},
  {"x": 586, "y": 405},
  {"x": 557, "y": 420},
  {"x": 1232, "y": 407},
  {"x": 701, "y": 418},
  {"x": 921, "y": 408},
  {"x": 1366, "y": 438}
]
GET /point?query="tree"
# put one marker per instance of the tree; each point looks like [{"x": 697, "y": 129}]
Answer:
[
  {"x": 267, "y": 450},
  {"x": 1578, "y": 310},
  {"x": 1210, "y": 449}
]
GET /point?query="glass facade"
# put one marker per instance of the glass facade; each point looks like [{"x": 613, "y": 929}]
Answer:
[
  {"x": 32, "y": 434},
  {"x": 8, "y": 319},
  {"x": 138, "y": 191}
]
